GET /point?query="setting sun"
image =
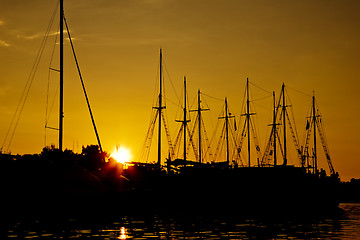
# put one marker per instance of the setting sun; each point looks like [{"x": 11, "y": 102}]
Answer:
[{"x": 121, "y": 154}]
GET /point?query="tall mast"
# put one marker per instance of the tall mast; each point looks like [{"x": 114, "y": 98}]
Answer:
[
  {"x": 160, "y": 111},
  {"x": 185, "y": 121},
  {"x": 274, "y": 129},
  {"x": 199, "y": 119},
  {"x": 227, "y": 132},
  {"x": 247, "y": 121},
  {"x": 61, "y": 110},
  {"x": 314, "y": 124},
  {"x": 199, "y": 110},
  {"x": 226, "y": 117},
  {"x": 248, "y": 117},
  {"x": 284, "y": 123}
]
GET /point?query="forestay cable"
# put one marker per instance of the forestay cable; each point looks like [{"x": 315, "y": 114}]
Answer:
[{"x": 83, "y": 86}]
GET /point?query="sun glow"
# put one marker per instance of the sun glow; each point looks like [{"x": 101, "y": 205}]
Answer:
[{"x": 121, "y": 154}]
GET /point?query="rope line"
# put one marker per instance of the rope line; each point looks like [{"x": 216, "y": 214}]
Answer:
[
  {"x": 219, "y": 99},
  {"x": 83, "y": 86},
  {"x": 308, "y": 95},
  {"x": 260, "y": 87},
  {"x": 26, "y": 90},
  {"x": 47, "y": 112}
]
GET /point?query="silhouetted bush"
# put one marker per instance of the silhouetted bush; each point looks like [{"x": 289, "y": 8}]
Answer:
[{"x": 93, "y": 158}]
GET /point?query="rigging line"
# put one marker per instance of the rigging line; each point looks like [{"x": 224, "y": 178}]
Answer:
[
  {"x": 321, "y": 130},
  {"x": 257, "y": 134},
  {"x": 191, "y": 142},
  {"x": 29, "y": 82},
  {"x": 48, "y": 86},
  {"x": 156, "y": 87},
  {"x": 204, "y": 101},
  {"x": 47, "y": 113},
  {"x": 53, "y": 101},
  {"x": 219, "y": 145},
  {"x": 167, "y": 130},
  {"x": 208, "y": 147},
  {"x": 261, "y": 98},
  {"x": 211, "y": 118},
  {"x": 52, "y": 105},
  {"x": 176, "y": 104},
  {"x": 260, "y": 87},
  {"x": 305, "y": 132},
  {"x": 177, "y": 139},
  {"x": 172, "y": 85},
  {"x": 268, "y": 144},
  {"x": 163, "y": 94},
  {"x": 212, "y": 139},
  {"x": 148, "y": 139},
  {"x": 256, "y": 104},
  {"x": 294, "y": 123},
  {"x": 193, "y": 103},
  {"x": 243, "y": 135},
  {"x": 255, "y": 138},
  {"x": 270, "y": 118},
  {"x": 83, "y": 86},
  {"x": 292, "y": 115},
  {"x": 308, "y": 95},
  {"x": 243, "y": 102},
  {"x": 212, "y": 97},
  {"x": 149, "y": 134},
  {"x": 235, "y": 153},
  {"x": 242, "y": 109},
  {"x": 180, "y": 109},
  {"x": 189, "y": 106}
]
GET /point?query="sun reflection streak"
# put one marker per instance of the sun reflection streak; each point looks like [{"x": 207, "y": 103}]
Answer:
[{"x": 122, "y": 233}]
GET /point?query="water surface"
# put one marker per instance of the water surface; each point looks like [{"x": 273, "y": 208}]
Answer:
[{"x": 343, "y": 226}]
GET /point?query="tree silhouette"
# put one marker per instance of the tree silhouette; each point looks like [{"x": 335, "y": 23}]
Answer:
[{"x": 93, "y": 157}]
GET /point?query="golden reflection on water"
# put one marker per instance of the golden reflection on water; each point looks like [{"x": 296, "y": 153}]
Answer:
[
  {"x": 123, "y": 233},
  {"x": 174, "y": 227}
]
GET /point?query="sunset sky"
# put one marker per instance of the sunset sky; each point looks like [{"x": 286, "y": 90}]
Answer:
[{"x": 309, "y": 45}]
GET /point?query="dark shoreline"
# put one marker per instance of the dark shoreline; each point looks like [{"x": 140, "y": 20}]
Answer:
[{"x": 48, "y": 184}]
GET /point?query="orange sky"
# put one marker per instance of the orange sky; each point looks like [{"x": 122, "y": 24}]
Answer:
[{"x": 309, "y": 45}]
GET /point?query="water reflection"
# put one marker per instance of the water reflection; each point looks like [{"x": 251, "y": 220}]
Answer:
[
  {"x": 185, "y": 227},
  {"x": 123, "y": 233}
]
